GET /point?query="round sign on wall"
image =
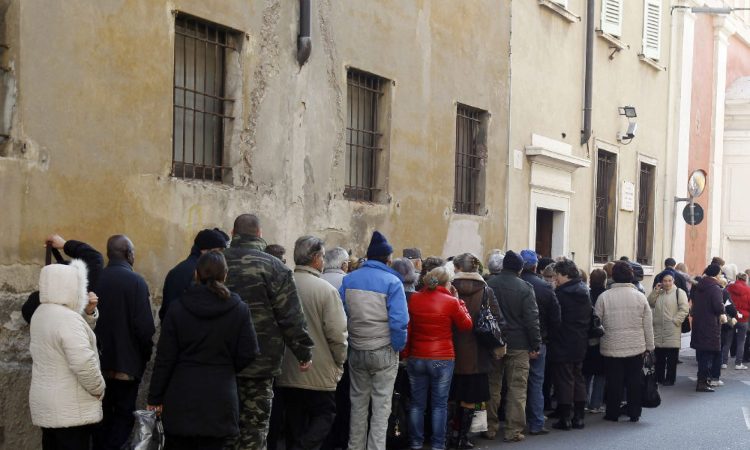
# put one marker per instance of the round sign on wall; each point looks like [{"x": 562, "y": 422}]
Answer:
[{"x": 693, "y": 215}]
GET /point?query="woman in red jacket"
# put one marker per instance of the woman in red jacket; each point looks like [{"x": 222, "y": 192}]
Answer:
[
  {"x": 740, "y": 294},
  {"x": 433, "y": 312}
]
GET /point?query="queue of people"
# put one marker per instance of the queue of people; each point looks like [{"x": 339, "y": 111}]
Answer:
[{"x": 314, "y": 355}]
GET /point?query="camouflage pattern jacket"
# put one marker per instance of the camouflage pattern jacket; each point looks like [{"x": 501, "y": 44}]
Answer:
[{"x": 267, "y": 286}]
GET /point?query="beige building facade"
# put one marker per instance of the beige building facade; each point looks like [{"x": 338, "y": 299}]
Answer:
[{"x": 451, "y": 126}]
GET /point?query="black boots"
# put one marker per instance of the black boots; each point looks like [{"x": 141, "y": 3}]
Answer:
[
  {"x": 564, "y": 422},
  {"x": 465, "y": 416},
  {"x": 703, "y": 386},
  {"x": 578, "y": 414}
]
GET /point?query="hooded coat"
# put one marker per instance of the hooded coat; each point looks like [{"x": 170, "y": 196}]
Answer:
[
  {"x": 740, "y": 293},
  {"x": 205, "y": 341},
  {"x": 569, "y": 341},
  {"x": 66, "y": 383},
  {"x": 627, "y": 320},
  {"x": 471, "y": 356},
  {"x": 670, "y": 310},
  {"x": 707, "y": 307}
]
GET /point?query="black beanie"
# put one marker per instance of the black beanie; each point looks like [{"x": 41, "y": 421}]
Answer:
[
  {"x": 208, "y": 239},
  {"x": 379, "y": 246},
  {"x": 511, "y": 261},
  {"x": 712, "y": 270}
]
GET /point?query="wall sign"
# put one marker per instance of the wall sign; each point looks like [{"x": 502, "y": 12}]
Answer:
[{"x": 627, "y": 200}]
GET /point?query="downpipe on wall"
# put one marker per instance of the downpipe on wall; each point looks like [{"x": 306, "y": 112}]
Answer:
[
  {"x": 304, "y": 41},
  {"x": 589, "y": 74}
]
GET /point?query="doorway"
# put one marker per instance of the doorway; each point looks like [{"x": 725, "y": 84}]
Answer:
[{"x": 544, "y": 229}]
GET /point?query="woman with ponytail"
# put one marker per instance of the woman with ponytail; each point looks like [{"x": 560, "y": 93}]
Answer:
[
  {"x": 207, "y": 336},
  {"x": 433, "y": 312}
]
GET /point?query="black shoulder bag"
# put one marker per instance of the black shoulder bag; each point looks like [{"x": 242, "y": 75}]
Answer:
[{"x": 486, "y": 328}]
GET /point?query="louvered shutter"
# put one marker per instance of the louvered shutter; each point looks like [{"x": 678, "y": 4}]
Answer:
[
  {"x": 612, "y": 17},
  {"x": 652, "y": 29}
]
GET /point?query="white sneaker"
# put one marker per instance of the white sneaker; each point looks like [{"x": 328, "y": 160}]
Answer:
[
  {"x": 740, "y": 367},
  {"x": 716, "y": 383},
  {"x": 723, "y": 366}
]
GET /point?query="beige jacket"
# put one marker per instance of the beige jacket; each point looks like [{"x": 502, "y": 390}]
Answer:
[
  {"x": 669, "y": 310},
  {"x": 66, "y": 383},
  {"x": 627, "y": 321},
  {"x": 326, "y": 322}
]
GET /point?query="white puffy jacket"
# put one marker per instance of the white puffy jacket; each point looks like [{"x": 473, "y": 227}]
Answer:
[{"x": 66, "y": 382}]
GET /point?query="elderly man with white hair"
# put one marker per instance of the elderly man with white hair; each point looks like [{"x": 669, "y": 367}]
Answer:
[
  {"x": 495, "y": 261},
  {"x": 335, "y": 266}
]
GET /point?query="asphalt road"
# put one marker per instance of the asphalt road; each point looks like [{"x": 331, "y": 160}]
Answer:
[{"x": 685, "y": 420}]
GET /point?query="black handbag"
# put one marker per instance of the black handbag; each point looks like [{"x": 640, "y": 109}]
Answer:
[
  {"x": 486, "y": 328},
  {"x": 596, "y": 330},
  {"x": 650, "y": 397}
]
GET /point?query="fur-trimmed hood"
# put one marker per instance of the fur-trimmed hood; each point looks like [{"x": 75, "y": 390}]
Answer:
[{"x": 65, "y": 285}]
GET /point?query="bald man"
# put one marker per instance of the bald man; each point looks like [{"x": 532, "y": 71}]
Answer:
[{"x": 124, "y": 333}]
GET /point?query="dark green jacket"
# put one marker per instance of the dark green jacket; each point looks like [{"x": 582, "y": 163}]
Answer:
[
  {"x": 518, "y": 304},
  {"x": 267, "y": 286}
]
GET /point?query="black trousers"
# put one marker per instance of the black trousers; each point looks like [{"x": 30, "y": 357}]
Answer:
[
  {"x": 570, "y": 385},
  {"x": 309, "y": 416},
  {"x": 666, "y": 358},
  {"x": 623, "y": 373},
  {"x": 118, "y": 405},
  {"x": 193, "y": 443},
  {"x": 338, "y": 437},
  {"x": 71, "y": 438}
]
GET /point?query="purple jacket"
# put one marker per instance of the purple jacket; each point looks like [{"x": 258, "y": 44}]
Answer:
[{"x": 707, "y": 307}]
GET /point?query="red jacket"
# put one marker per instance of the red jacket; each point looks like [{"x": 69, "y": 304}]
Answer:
[
  {"x": 432, "y": 315},
  {"x": 739, "y": 291}
]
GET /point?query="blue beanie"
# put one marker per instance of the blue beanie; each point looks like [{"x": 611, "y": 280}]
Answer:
[
  {"x": 529, "y": 258},
  {"x": 379, "y": 246}
]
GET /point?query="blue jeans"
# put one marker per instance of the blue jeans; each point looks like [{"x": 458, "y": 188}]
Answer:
[
  {"x": 535, "y": 396},
  {"x": 435, "y": 375},
  {"x": 595, "y": 390}
]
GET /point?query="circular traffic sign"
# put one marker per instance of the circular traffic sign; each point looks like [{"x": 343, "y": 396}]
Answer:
[{"x": 693, "y": 214}]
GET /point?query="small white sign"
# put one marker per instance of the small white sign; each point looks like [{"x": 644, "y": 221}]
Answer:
[
  {"x": 627, "y": 201},
  {"x": 517, "y": 159}
]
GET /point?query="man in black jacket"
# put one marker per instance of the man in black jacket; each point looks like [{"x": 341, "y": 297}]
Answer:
[
  {"x": 124, "y": 332},
  {"x": 181, "y": 277},
  {"x": 549, "y": 318},
  {"x": 516, "y": 300}
]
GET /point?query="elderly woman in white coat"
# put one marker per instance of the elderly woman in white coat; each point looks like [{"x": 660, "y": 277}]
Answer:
[
  {"x": 670, "y": 307},
  {"x": 66, "y": 383}
]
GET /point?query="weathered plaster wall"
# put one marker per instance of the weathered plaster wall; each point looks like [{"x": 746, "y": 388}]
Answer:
[
  {"x": 90, "y": 148},
  {"x": 548, "y": 78},
  {"x": 700, "y": 136}
]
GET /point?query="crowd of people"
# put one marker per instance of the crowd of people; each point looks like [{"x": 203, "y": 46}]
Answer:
[{"x": 361, "y": 353}]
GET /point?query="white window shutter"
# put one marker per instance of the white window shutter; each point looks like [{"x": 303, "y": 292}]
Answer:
[
  {"x": 612, "y": 17},
  {"x": 652, "y": 29}
]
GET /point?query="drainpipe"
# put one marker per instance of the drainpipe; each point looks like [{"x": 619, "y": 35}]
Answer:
[
  {"x": 304, "y": 41},
  {"x": 588, "y": 82},
  {"x": 509, "y": 162}
]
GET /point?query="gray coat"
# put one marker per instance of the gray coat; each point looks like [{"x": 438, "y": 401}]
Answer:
[{"x": 669, "y": 310}]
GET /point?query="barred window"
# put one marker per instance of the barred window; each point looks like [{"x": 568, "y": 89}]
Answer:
[
  {"x": 200, "y": 107},
  {"x": 363, "y": 134},
  {"x": 646, "y": 196},
  {"x": 605, "y": 214},
  {"x": 471, "y": 145}
]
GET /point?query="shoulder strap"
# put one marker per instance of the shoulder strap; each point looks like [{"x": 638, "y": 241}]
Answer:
[
  {"x": 485, "y": 301},
  {"x": 48, "y": 254}
]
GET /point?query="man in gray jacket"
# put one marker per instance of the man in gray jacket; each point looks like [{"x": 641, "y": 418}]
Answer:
[
  {"x": 310, "y": 397},
  {"x": 518, "y": 305}
]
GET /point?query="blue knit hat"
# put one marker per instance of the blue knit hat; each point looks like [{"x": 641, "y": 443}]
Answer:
[
  {"x": 379, "y": 246},
  {"x": 529, "y": 258}
]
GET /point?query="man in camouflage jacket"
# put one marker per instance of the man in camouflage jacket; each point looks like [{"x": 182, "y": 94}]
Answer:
[{"x": 267, "y": 286}]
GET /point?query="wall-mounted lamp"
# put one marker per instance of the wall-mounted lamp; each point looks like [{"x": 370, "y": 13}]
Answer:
[{"x": 629, "y": 112}]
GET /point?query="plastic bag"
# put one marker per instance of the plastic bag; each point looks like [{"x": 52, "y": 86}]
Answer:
[
  {"x": 149, "y": 433},
  {"x": 479, "y": 422}
]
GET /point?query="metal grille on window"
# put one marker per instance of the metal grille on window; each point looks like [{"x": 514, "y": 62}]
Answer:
[
  {"x": 199, "y": 102},
  {"x": 645, "y": 214},
  {"x": 364, "y": 92},
  {"x": 468, "y": 160},
  {"x": 604, "y": 215}
]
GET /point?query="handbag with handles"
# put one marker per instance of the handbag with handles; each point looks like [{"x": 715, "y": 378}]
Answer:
[
  {"x": 486, "y": 328},
  {"x": 650, "y": 397},
  {"x": 596, "y": 330}
]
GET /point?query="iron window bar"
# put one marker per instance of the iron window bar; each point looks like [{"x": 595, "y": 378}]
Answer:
[
  {"x": 468, "y": 160},
  {"x": 603, "y": 222}
]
